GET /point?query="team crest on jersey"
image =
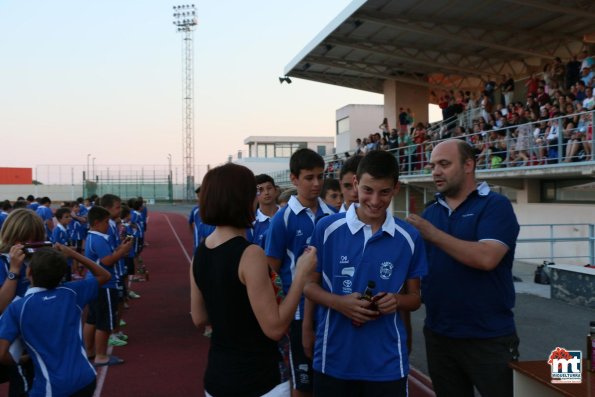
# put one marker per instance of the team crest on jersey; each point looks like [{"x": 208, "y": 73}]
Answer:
[{"x": 386, "y": 270}]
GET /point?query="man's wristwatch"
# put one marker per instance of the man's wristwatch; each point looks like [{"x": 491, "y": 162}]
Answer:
[{"x": 13, "y": 276}]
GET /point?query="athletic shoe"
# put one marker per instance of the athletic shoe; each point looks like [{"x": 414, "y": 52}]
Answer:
[
  {"x": 208, "y": 332},
  {"x": 122, "y": 323},
  {"x": 122, "y": 336},
  {"x": 133, "y": 295},
  {"x": 114, "y": 341}
]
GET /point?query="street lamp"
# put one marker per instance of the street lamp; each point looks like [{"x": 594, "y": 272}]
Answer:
[
  {"x": 88, "y": 155},
  {"x": 170, "y": 181},
  {"x": 93, "y": 168}
]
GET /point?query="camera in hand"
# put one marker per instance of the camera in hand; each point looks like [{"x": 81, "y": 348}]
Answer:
[{"x": 30, "y": 248}]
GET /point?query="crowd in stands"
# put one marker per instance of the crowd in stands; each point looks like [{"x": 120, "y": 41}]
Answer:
[
  {"x": 554, "y": 123},
  {"x": 83, "y": 254}
]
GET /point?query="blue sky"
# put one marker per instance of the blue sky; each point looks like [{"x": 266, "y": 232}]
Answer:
[{"x": 104, "y": 78}]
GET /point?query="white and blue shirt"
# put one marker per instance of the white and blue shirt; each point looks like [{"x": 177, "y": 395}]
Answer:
[
  {"x": 49, "y": 322},
  {"x": 22, "y": 284},
  {"x": 349, "y": 256},
  {"x": 259, "y": 229},
  {"x": 289, "y": 233},
  {"x": 60, "y": 235},
  {"x": 98, "y": 246},
  {"x": 201, "y": 230}
]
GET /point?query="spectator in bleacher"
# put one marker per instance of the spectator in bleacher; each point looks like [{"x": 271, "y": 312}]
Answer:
[
  {"x": 573, "y": 72},
  {"x": 532, "y": 83},
  {"x": 358, "y": 147},
  {"x": 383, "y": 145},
  {"x": 486, "y": 105},
  {"x": 587, "y": 75},
  {"x": 384, "y": 127},
  {"x": 572, "y": 140},
  {"x": 403, "y": 119},
  {"x": 558, "y": 73},
  {"x": 589, "y": 101},
  {"x": 542, "y": 96}
]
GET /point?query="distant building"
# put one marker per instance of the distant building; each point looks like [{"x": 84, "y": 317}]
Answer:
[
  {"x": 356, "y": 121},
  {"x": 268, "y": 154}
]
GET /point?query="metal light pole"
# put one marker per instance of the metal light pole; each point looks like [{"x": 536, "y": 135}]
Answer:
[
  {"x": 170, "y": 186},
  {"x": 93, "y": 170},
  {"x": 88, "y": 155},
  {"x": 185, "y": 20}
]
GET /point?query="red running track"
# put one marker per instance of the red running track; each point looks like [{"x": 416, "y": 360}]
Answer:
[{"x": 166, "y": 355}]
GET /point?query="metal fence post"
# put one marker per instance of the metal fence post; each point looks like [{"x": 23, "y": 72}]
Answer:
[{"x": 592, "y": 244}]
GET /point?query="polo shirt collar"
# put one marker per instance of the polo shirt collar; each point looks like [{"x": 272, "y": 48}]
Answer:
[
  {"x": 34, "y": 290},
  {"x": 261, "y": 217},
  {"x": 482, "y": 190},
  {"x": 61, "y": 227},
  {"x": 105, "y": 236},
  {"x": 297, "y": 207},
  {"x": 355, "y": 224}
]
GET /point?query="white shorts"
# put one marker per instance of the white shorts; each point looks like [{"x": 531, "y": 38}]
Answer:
[{"x": 281, "y": 390}]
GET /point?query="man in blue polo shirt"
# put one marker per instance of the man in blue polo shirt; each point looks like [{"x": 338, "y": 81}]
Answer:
[
  {"x": 48, "y": 320},
  {"x": 470, "y": 235},
  {"x": 361, "y": 344},
  {"x": 289, "y": 233}
]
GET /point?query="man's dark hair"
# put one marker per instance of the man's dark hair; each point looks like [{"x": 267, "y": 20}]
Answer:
[
  {"x": 108, "y": 200},
  {"x": 329, "y": 184},
  {"x": 60, "y": 212},
  {"x": 124, "y": 211},
  {"x": 30, "y": 198},
  {"x": 379, "y": 164},
  {"x": 350, "y": 165},
  {"x": 48, "y": 267},
  {"x": 97, "y": 214},
  {"x": 466, "y": 152},
  {"x": 264, "y": 178},
  {"x": 45, "y": 200},
  {"x": 227, "y": 196},
  {"x": 304, "y": 159}
]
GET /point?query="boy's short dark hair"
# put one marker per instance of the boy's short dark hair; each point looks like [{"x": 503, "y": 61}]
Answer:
[
  {"x": 134, "y": 203},
  {"x": 264, "y": 178},
  {"x": 30, "y": 198},
  {"x": 20, "y": 204},
  {"x": 45, "y": 200},
  {"x": 79, "y": 200},
  {"x": 329, "y": 184},
  {"x": 350, "y": 165},
  {"x": 124, "y": 211},
  {"x": 108, "y": 200},
  {"x": 227, "y": 196},
  {"x": 6, "y": 206},
  {"x": 48, "y": 267},
  {"x": 379, "y": 164},
  {"x": 60, "y": 212},
  {"x": 97, "y": 214},
  {"x": 304, "y": 159}
]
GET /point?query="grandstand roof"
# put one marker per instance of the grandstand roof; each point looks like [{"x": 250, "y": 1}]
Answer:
[{"x": 443, "y": 43}]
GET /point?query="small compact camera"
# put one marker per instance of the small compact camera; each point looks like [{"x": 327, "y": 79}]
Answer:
[{"x": 30, "y": 248}]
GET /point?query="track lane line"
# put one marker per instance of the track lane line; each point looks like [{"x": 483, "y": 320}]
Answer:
[{"x": 179, "y": 240}]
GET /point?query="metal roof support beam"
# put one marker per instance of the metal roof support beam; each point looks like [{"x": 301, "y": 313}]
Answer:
[
  {"x": 544, "y": 5},
  {"x": 432, "y": 64},
  {"x": 408, "y": 26}
]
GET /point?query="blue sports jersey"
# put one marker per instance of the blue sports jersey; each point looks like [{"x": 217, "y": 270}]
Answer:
[
  {"x": 76, "y": 230},
  {"x": 33, "y": 206},
  {"x": 137, "y": 218},
  {"x": 483, "y": 307},
  {"x": 46, "y": 214},
  {"x": 115, "y": 241},
  {"x": 259, "y": 229},
  {"x": 289, "y": 233},
  {"x": 3, "y": 216},
  {"x": 349, "y": 256},
  {"x": 49, "y": 322},
  {"x": 60, "y": 235},
  {"x": 200, "y": 230},
  {"x": 22, "y": 284},
  {"x": 98, "y": 246}
]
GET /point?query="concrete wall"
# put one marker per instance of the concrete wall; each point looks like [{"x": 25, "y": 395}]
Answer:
[
  {"x": 363, "y": 121},
  {"x": 402, "y": 95}
]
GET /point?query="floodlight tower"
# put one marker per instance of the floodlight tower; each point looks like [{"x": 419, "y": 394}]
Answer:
[{"x": 185, "y": 20}]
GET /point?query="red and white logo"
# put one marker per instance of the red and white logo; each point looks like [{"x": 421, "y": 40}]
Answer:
[{"x": 566, "y": 365}]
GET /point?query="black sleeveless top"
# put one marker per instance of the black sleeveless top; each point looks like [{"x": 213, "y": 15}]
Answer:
[{"x": 243, "y": 361}]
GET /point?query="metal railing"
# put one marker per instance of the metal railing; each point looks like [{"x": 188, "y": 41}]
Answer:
[{"x": 556, "y": 234}]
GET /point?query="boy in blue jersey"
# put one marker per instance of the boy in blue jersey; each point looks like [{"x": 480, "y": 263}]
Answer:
[
  {"x": 48, "y": 320},
  {"x": 266, "y": 195},
  {"x": 102, "y": 317},
  {"x": 199, "y": 230},
  {"x": 369, "y": 268},
  {"x": 32, "y": 204},
  {"x": 46, "y": 214},
  {"x": 6, "y": 207},
  {"x": 346, "y": 177},
  {"x": 289, "y": 233},
  {"x": 60, "y": 235},
  {"x": 331, "y": 193}
]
